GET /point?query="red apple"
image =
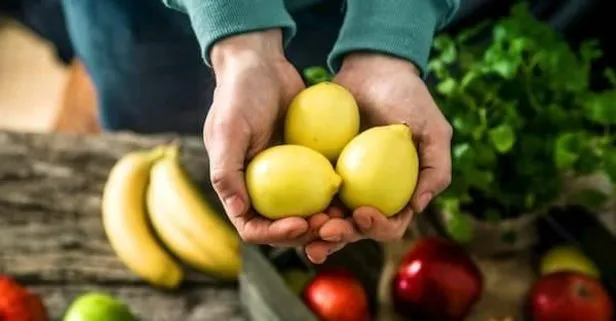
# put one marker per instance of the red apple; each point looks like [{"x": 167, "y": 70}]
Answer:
[
  {"x": 437, "y": 281},
  {"x": 336, "y": 295},
  {"x": 569, "y": 296}
]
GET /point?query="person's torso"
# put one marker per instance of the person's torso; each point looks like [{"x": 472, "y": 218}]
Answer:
[{"x": 294, "y": 6}]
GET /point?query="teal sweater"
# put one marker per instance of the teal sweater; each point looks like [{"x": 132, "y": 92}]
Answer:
[{"x": 403, "y": 28}]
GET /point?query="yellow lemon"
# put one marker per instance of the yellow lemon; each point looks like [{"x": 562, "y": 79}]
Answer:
[
  {"x": 379, "y": 168},
  {"x": 290, "y": 180},
  {"x": 323, "y": 117},
  {"x": 567, "y": 258}
]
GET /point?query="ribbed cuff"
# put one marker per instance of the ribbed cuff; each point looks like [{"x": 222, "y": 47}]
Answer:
[
  {"x": 213, "y": 20},
  {"x": 402, "y": 28}
]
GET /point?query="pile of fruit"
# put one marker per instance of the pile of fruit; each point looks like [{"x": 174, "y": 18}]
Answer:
[
  {"x": 435, "y": 280},
  {"x": 569, "y": 289},
  {"x": 377, "y": 167},
  {"x": 438, "y": 280},
  {"x": 150, "y": 188}
]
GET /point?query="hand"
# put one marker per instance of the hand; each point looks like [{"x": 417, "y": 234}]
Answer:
[
  {"x": 389, "y": 90},
  {"x": 255, "y": 83}
]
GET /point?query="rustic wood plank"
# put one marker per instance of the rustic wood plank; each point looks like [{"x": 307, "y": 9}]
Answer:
[
  {"x": 50, "y": 188},
  {"x": 194, "y": 304}
]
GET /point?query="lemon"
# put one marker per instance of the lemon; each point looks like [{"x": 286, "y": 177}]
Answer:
[
  {"x": 323, "y": 117},
  {"x": 290, "y": 180},
  {"x": 567, "y": 258},
  {"x": 379, "y": 168}
]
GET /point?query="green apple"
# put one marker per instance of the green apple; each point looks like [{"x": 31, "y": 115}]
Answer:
[
  {"x": 98, "y": 307},
  {"x": 568, "y": 258}
]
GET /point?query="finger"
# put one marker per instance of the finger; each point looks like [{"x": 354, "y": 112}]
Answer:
[
  {"x": 376, "y": 226},
  {"x": 317, "y": 221},
  {"x": 435, "y": 171},
  {"x": 318, "y": 251},
  {"x": 289, "y": 231},
  {"x": 339, "y": 230},
  {"x": 226, "y": 147},
  {"x": 314, "y": 224}
]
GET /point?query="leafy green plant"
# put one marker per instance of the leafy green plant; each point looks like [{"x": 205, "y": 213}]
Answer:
[{"x": 524, "y": 114}]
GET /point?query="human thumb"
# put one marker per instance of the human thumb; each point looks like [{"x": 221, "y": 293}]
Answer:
[{"x": 226, "y": 147}]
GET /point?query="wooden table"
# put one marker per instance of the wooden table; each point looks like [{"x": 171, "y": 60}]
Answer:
[{"x": 51, "y": 237}]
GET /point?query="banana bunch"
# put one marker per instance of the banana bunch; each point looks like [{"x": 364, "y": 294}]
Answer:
[{"x": 149, "y": 197}]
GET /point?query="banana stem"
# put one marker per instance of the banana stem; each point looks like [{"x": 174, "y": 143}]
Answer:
[
  {"x": 172, "y": 151},
  {"x": 157, "y": 152}
]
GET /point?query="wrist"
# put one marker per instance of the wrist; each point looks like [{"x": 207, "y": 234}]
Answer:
[
  {"x": 377, "y": 60},
  {"x": 262, "y": 45}
]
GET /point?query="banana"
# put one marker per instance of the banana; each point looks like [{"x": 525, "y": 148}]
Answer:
[
  {"x": 125, "y": 221},
  {"x": 188, "y": 226}
]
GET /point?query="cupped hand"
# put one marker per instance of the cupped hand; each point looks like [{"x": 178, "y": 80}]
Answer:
[
  {"x": 254, "y": 84},
  {"x": 389, "y": 90}
]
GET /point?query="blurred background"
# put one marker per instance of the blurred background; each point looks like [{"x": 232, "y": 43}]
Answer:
[
  {"x": 31, "y": 79},
  {"x": 42, "y": 88}
]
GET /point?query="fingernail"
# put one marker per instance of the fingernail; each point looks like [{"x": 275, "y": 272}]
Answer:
[
  {"x": 365, "y": 223},
  {"x": 333, "y": 238},
  {"x": 424, "y": 200},
  {"x": 234, "y": 205},
  {"x": 335, "y": 249},
  {"x": 315, "y": 261}
]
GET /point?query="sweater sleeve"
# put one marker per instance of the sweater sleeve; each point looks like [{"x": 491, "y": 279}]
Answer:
[
  {"x": 402, "y": 28},
  {"x": 213, "y": 20}
]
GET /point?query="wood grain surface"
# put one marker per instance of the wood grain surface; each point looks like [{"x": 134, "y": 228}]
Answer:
[{"x": 51, "y": 237}]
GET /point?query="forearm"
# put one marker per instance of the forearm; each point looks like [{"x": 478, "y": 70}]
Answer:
[
  {"x": 401, "y": 28},
  {"x": 215, "y": 20}
]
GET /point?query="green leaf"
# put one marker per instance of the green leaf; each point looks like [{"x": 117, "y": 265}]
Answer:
[
  {"x": 462, "y": 155},
  {"x": 480, "y": 179},
  {"x": 469, "y": 77},
  {"x": 316, "y": 74},
  {"x": 458, "y": 225},
  {"x": 566, "y": 150},
  {"x": 601, "y": 108},
  {"x": 590, "y": 51},
  {"x": 588, "y": 198},
  {"x": 447, "y": 87},
  {"x": 466, "y": 123},
  {"x": 484, "y": 155},
  {"x": 609, "y": 163},
  {"x": 502, "y": 138},
  {"x": 472, "y": 31},
  {"x": 589, "y": 160},
  {"x": 439, "y": 69},
  {"x": 446, "y": 47},
  {"x": 610, "y": 75}
]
